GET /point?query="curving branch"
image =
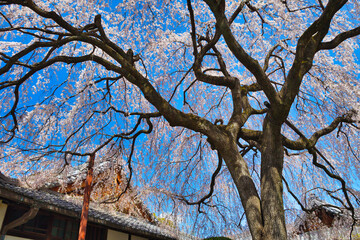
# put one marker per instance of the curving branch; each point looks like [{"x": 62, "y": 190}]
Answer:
[
  {"x": 226, "y": 80},
  {"x": 350, "y": 206},
  {"x": 251, "y": 64},
  {"x": 268, "y": 56},
  {"x": 339, "y": 39},
  {"x": 212, "y": 185},
  {"x": 306, "y": 49},
  {"x": 129, "y": 160},
  {"x": 304, "y": 143},
  {"x": 346, "y": 118}
]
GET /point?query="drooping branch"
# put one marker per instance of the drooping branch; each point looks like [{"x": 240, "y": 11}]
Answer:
[
  {"x": 34, "y": 46},
  {"x": 268, "y": 56},
  {"x": 350, "y": 206},
  {"x": 174, "y": 116},
  {"x": 12, "y": 113},
  {"x": 295, "y": 197},
  {"x": 310, "y": 146},
  {"x": 212, "y": 186},
  {"x": 301, "y": 8},
  {"x": 132, "y": 150}
]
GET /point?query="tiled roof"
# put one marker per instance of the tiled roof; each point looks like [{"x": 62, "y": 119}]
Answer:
[
  {"x": 315, "y": 202},
  {"x": 57, "y": 202},
  {"x": 74, "y": 174}
]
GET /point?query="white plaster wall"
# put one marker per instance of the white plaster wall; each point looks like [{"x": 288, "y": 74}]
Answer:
[
  {"x": 137, "y": 238},
  {"x": 115, "y": 235},
  {"x": 15, "y": 238}
]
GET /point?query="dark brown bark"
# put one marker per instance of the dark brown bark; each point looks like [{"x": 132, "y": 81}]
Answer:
[
  {"x": 265, "y": 215},
  {"x": 86, "y": 202}
]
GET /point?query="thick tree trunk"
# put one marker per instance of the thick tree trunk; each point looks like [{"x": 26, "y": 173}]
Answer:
[
  {"x": 245, "y": 185},
  {"x": 265, "y": 217},
  {"x": 272, "y": 158}
]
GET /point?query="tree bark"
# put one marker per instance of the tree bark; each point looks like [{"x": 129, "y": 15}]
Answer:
[
  {"x": 245, "y": 185},
  {"x": 272, "y": 159},
  {"x": 265, "y": 215}
]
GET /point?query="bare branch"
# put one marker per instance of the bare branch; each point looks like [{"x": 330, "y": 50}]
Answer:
[
  {"x": 212, "y": 185},
  {"x": 336, "y": 177},
  {"x": 303, "y": 142},
  {"x": 339, "y": 39},
  {"x": 251, "y": 64},
  {"x": 305, "y": 51}
]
